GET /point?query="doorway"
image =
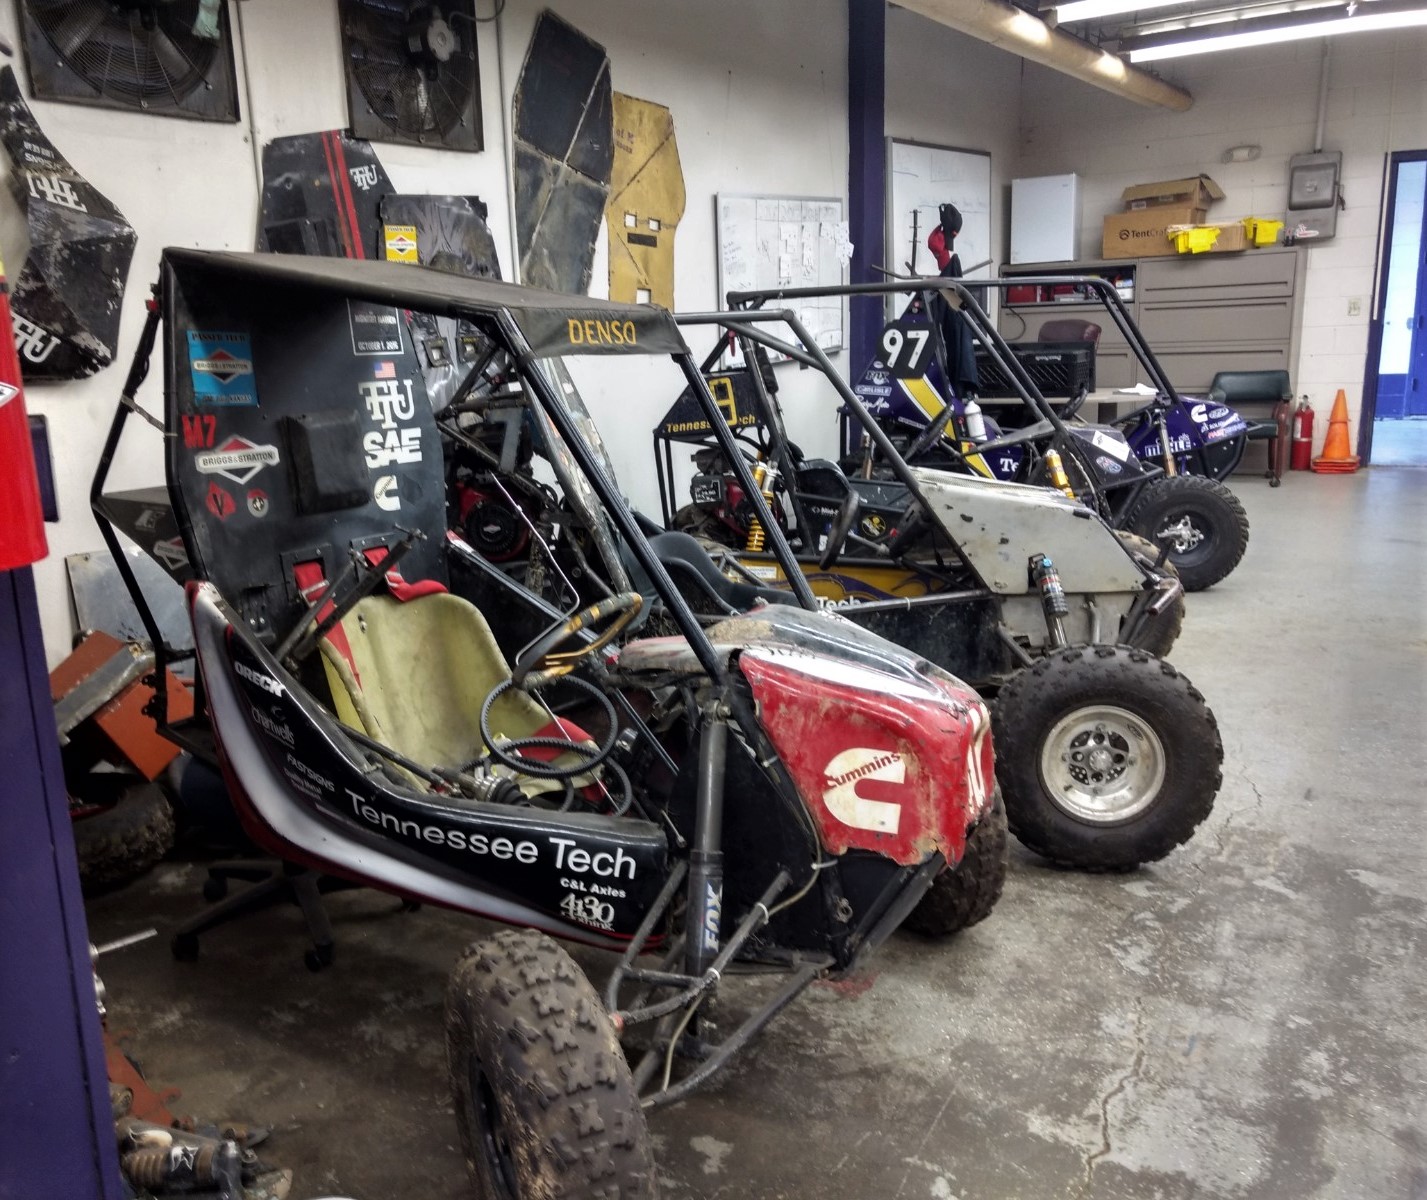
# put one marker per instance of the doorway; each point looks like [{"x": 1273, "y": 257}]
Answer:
[{"x": 1396, "y": 382}]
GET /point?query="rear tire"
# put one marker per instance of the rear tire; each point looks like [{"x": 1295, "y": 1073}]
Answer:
[
  {"x": 966, "y": 894},
  {"x": 119, "y": 843},
  {"x": 1157, "y": 634},
  {"x": 1107, "y": 757},
  {"x": 1200, "y": 520},
  {"x": 544, "y": 1099}
]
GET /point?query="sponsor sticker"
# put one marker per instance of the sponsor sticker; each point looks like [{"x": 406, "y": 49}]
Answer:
[
  {"x": 8, "y": 391},
  {"x": 171, "y": 553},
  {"x": 237, "y": 459},
  {"x": 376, "y": 328},
  {"x": 220, "y": 502},
  {"x": 846, "y": 771},
  {"x": 221, "y": 367},
  {"x": 258, "y": 502},
  {"x": 1112, "y": 445},
  {"x": 400, "y": 242},
  {"x": 385, "y": 494},
  {"x": 1108, "y": 464}
]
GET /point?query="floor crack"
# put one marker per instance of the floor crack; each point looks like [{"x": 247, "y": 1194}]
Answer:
[{"x": 1137, "y": 1063}]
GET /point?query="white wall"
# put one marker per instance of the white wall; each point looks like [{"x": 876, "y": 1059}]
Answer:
[
  {"x": 1377, "y": 102},
  {"x": 758, "y": 93},
  {"x": 946, "y": 88}
]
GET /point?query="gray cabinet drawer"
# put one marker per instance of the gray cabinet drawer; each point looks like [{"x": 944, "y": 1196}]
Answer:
[
  {"x": 1258, "y": 273},
  {"x": 1191, "y": 368},
  {"x": 1240, "y": 319}
]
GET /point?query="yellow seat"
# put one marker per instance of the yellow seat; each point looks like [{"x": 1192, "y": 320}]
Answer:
[{"x": 414, "y": 675}]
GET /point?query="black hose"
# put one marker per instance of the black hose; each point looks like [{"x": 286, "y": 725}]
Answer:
[{"x": 508, "y": 753}]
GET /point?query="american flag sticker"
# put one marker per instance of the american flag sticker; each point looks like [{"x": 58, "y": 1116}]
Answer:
[{"x": 384, "y": 370}]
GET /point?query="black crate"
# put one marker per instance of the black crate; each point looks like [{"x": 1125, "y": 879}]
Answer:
[{"x": 1059, "y": 369}]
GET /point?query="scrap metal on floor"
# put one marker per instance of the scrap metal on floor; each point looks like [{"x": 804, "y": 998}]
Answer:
[{"x": 1242, "y": 1020}]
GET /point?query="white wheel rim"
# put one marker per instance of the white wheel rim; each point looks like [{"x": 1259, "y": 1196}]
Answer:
[{"x": 1102, "y": 764}]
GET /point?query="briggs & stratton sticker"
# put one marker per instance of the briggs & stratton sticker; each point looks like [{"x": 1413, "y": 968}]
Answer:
[
  {"x": 237, "y": 459},
  {"x": 221, "y": 367}
]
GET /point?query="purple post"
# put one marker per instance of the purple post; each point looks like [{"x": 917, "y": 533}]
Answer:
[
  {"x": 866, "y": 167},
  {"x": 54, "y": 1089}
]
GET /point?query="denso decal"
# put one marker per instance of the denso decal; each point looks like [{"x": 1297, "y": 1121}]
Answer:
[
  {"x": 601, "y": 333},
  {"x": 849, "y": 769}
]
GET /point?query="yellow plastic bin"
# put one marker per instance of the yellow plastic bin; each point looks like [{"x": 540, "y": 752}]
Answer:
[
  {"x": 1195, "y": 239},
  {"x": 1262, "y": 231}
]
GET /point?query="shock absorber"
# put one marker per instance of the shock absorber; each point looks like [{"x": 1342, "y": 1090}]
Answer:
[
  {"x": 706, "y": 858},
  {"x": 1047, "y": 579},
  {"x": 764, "y": 475},
  {"x": 1056, "y": 468}
]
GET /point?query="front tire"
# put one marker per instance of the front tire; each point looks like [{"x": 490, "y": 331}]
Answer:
[
  {"x": 1199, "y": 520},
  {"x": 966, "y": 894},
  {"x": 1107, "y": 757},
  {"x": 544, "y": 1099}
]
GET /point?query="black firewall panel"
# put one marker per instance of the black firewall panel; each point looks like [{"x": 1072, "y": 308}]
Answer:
[{"x": 304, "y": 431}]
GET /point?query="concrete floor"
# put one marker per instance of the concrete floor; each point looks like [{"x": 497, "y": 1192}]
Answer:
[
  {"x": 1244, "y": 1020},
  {"x": 1400, "y": 443}
]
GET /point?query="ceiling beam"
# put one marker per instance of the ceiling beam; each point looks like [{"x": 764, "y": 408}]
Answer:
[{"x": 1018, "y": 32}]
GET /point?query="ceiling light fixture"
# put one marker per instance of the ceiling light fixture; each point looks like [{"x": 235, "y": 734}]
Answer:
[
  {"x": 1091, "y": 10},
  {"x": 1363, "y": 22}
]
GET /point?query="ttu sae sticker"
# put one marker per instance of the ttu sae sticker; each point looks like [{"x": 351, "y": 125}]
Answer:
[
  {"x": 221, "y": 367},
  {"x": 376, "y": 328}
]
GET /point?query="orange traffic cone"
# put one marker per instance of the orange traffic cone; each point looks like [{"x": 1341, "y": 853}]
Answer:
[{"x": 1336, "y": 458}]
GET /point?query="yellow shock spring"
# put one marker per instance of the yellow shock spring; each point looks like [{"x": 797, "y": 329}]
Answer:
[
  {"x": 1057, "y": 472},
  {"x": 756, "y": 535}
]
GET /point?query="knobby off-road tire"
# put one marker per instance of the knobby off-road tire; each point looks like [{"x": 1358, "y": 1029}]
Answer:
[
  {"x": 118, "y": 844},
  {"x": 544, "y": 1099},
  {"x": 1118, "y": 720},
  {"x": 1157, "y": 634},
  {"x": 961, "y": 897},
  {"x": 1210, "y": 516}
]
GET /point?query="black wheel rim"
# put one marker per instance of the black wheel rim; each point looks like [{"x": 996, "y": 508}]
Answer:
[
  {"x": 491, "y": 1135},
  {"x": 1188, "y": 535}
]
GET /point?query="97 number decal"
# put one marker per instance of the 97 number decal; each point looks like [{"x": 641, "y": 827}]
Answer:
[
  {"x": 588, "y": 910},
  {"x": 906, "y": 349}
]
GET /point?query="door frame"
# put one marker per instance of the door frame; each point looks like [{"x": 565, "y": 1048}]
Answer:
[{"x": 1379, "y": 299}]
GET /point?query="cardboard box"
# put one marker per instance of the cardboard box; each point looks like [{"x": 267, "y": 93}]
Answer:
[
  {"x": 1233, "y": 237},
  {"x": 1141, "y": 234},
  {"x": 1198, "y": 191}
]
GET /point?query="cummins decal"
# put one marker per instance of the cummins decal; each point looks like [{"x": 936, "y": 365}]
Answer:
[{"x": 847, "y": 771}]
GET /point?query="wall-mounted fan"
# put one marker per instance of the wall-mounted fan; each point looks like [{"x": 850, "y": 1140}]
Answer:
[
  {"x": 172, "y": 58},
  {"x": 412, "y": 73}
]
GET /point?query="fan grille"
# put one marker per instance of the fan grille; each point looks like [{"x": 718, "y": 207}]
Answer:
[
  {"x": 410, "y": 103},
  {"x": 108, "y": 46}
]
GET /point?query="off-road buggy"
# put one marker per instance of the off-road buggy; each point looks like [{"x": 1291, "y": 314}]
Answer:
[
  {"x": 1106, "y": 755},
  {"x": 1154, "y": 473},
  {"x": 778, "y": 791}
]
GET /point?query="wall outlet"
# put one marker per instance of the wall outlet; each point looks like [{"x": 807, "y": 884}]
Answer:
[{"x": 1355, "y": 306}]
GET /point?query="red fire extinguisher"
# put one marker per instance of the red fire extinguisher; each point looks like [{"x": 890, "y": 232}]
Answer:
[
  {"x": 22, "y": 525},
  {"x": 1300, "y": 459}
]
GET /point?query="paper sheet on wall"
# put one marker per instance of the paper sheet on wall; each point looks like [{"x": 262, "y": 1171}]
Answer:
[{"x": 767, "y": 242}]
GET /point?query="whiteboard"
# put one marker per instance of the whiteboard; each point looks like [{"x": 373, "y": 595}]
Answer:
[
  {"x": 921, "y": 178},
  {"x": 767, "y": 242}
]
